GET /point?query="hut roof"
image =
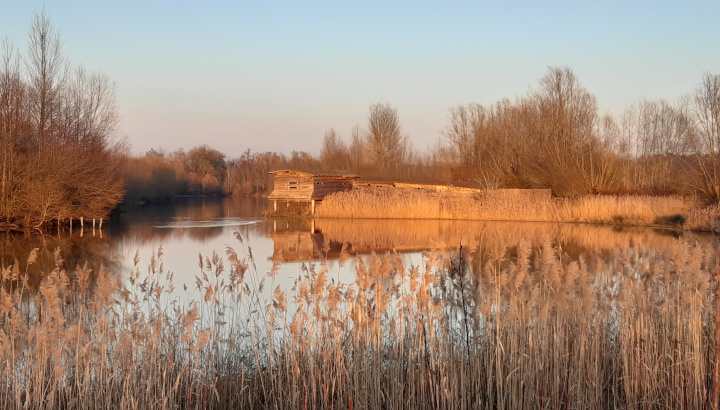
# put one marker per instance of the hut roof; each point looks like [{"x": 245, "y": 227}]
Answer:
[
  {"x": 330, "y": 174},
  {"x": 290, "y": 172},
  {"x": 416, "y": 181}
]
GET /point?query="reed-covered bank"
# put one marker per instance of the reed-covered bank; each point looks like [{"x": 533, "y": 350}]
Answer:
[
  {"x": 476, "y": 327},
  {"x": 505, "y": 206}
]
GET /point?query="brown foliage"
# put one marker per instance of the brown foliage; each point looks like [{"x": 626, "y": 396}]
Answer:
[{"x": 59, "y": 157}]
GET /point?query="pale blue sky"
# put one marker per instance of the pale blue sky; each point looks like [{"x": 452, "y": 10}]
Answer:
[{"x": 275, "y": 75}]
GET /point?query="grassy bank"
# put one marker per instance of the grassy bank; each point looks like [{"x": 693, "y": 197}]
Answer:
[
  {"x": 489, "y": 327},
  {"x": 505, "y": 206}
]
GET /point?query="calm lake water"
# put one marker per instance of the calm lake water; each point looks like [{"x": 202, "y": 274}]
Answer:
[{"x": 193, "y": 226}]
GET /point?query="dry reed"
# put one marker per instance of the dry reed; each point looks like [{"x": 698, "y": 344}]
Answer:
[
  {"x": 505, "y": 206},
  {"x": 483, "y": 326}
]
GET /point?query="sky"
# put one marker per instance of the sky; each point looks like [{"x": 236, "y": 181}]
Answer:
[{"x": 276, "y": 75}]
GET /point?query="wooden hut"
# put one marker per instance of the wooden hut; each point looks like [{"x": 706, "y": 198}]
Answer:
[{"x": 302, "y": 187}]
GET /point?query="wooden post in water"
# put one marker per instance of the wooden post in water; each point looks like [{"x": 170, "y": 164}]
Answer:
[
  {"x": 312, "y": 207},
  {"x": 93, "y": 223},
  {"x": 275, "y": 205},
  {"x": 101, "y": 220},
  {"x": 71, "y": 225}
]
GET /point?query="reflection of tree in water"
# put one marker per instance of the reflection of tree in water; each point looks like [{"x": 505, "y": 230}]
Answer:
[
  {"x": 139, "y": 223},
  {"x": 95, "y": 251},
  {"x": 200, "y": 219}
]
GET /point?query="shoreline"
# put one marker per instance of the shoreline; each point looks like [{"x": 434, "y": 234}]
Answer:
[{"x": 665, "y": 212}]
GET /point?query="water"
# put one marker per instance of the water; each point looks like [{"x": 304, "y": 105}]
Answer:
[
  {"x": 530, "y": 322},
  {"x": 190, "y": 227}
]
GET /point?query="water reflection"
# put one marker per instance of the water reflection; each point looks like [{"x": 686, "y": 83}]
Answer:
[
  {"x": 76, "y": 249},
  {"x": 303, "y": 240},
  {"x": 193, "y": 226},
  {"x": 200, "y": 219},
  {"x": 539, "y": 308}
]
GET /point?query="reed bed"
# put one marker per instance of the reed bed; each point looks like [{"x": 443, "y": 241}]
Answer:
[
  {"x": 705, "y": 219},
  {"x": 506, "y": 206},
  {"x": 480, "y": 326}
]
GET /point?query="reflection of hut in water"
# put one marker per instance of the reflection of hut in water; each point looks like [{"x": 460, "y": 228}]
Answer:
[
  {"x": 296, "y": 187},
  {"x": 295, "y": 245},
  {"x": 305, "y": 240},
  {"x": 299, "y": 240}
]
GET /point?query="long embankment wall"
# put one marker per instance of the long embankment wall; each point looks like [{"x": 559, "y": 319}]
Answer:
[{"x": 520, "y": 194}]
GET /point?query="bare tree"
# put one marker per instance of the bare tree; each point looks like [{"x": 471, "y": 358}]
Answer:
[
  {"x": 334, "y": 153},
  {"x": 488, "y": 144},
  {"x": 707, "y": 117},
  {"x": 567, "y": 114},
  {"x": 663, "y": 136},
  {"x": 89, "y": 109},
  {"x": 13, "y": 127},
  {"x": 605, "y": 146},
  {"x": 356, "y": 150},
  {"x": 466, "y": 123},
  {"x": 547, "y": 139},
  {"x": 385, "y": 140},
  {"x": 46, "y": 67}
]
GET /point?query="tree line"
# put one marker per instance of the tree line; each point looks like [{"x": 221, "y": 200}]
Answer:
[
  {"x": 554, "y": 137},
  {"x": 380, "y": 150},
  {"x": 60, "y": 158}
]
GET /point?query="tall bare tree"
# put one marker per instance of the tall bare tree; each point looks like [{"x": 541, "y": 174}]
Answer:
[
  {"x": 46, "y": 67},
  {"x": 466, "y": 123},
  {"x": 387, "y": 144},
  {"x": 707, "y": 116},
  {"x": 567, "y": 113},
  {"x": 662, "y": 136},
  {"x": 357, "y": 152},
  {"x": 13, "y": 127},
  {"x": 334, "y": 152}
]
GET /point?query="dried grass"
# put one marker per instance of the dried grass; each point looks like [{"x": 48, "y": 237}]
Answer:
[
  {"x": 503, "y": 206},
  {"x": 483, "y": 326}
]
